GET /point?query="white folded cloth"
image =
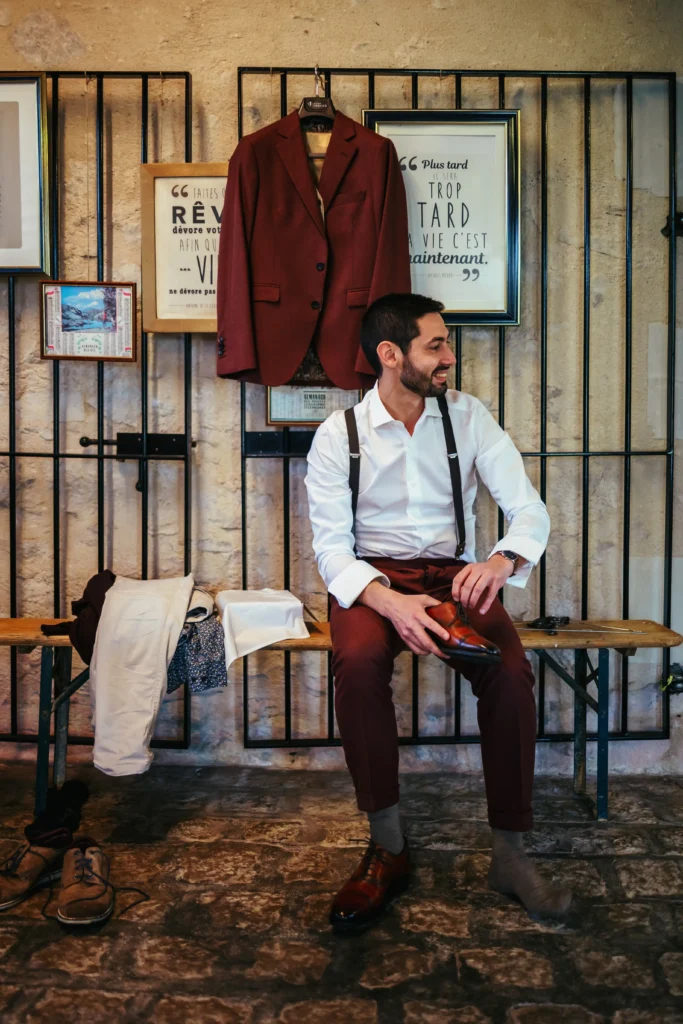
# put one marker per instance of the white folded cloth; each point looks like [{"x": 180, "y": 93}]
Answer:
[{"x": 256, "y": 618}]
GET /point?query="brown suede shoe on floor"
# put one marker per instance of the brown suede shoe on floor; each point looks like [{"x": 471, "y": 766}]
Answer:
[
  {"x": 32, "y": 866},
  {"x": 378, "y": 879},
  {"x": 86, "y": 895},
  {"x": 464, "y": 641}
]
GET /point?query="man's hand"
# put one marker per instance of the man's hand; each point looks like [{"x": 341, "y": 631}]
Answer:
[
  {"x": 482, "y": 580},
  {"x": 407, "y": 613}
]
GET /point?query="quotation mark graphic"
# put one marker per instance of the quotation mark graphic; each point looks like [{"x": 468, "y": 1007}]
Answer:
[
  {"x": 183, "y": 191},
  {"x": 474, "y": 274},
  {"x": 412, "y": 163}
]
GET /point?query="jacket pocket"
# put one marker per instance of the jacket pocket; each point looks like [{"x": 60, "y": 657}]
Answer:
[
  {"x": 347, "y": 197},
  {"x": 265, "y": 292},
  {"x": 357, "y": 296}
]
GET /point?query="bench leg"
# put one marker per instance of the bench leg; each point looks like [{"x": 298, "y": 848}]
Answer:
[
  {"x": 603, "y": 733},
  {"x": 44, "y": 716},
  {"x": 579, "y": 726},
  {"x": 62, "y": 679}
]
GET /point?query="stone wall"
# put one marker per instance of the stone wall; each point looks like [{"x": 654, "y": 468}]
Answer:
[{"x": 210, "y": 40}]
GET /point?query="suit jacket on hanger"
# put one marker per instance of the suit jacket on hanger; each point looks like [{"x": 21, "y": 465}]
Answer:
[{"x": 286, "y": 276}]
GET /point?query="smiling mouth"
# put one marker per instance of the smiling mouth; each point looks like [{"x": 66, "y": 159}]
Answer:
[{"x": 440, "y": 374}]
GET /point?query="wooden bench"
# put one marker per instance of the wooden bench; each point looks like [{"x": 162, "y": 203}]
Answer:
[{"x": 625, "y": 637}]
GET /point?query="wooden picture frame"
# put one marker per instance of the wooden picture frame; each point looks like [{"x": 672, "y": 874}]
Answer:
[
  {"x": 82, "y": 320},
  {"x": 24, "y": 174},
  {"x": 307, "y": 406},
  {"x": 181, "y": 206}
]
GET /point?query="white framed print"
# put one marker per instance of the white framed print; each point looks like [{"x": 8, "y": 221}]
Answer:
[
  {"x": 182, "y": 207},
  {"x": 24, "y": 186},
  {"x": 462, "y": 179}
]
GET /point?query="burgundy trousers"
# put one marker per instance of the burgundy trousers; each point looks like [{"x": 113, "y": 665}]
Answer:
[{"x": 364, "y": 646}]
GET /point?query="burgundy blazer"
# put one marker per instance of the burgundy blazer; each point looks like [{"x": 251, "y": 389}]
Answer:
[{"x": 285, "y": 277}]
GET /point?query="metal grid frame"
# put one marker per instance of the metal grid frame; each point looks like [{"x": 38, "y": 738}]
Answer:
[
  {"x": 287, "y": 444},
  {"x": 57, "y": 172}
]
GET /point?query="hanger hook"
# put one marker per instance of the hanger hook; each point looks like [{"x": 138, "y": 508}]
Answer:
[{"x": 317, "y": 80}]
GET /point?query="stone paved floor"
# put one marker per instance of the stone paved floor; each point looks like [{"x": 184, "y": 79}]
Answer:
[{"x": 241, "y": 864}]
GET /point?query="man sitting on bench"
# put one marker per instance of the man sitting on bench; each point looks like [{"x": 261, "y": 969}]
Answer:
[{"x": 407, "y": 546}]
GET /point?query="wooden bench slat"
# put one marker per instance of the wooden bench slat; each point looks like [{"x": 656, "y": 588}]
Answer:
[{"x": 26, "y": 633}]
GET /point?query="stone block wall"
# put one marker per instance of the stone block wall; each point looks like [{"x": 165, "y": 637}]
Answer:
[{"x": 210, "y": 40}]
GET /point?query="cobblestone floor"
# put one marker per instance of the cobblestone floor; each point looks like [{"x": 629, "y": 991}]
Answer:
[{"x": 240, "y": 865}]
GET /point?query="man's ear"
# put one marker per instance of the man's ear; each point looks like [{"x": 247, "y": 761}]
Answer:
[{"x": 387, "y": 353}]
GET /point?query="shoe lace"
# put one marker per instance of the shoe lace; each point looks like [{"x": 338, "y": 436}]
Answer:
[
  {"x": 9, "y": 868},
  {"x": 90, "y": 876},
  {"x": 373, "y": 857}
]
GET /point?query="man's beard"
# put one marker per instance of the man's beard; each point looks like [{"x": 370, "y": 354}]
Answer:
[{"x": 422, "y": 384}]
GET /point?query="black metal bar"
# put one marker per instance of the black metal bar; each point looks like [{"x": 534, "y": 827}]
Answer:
[
  {"x": 12, "y": 398},
  {"x": 44, "y": 715},
  {"x": 585, "y": 508},
  {"x": 56, "y": 481},
  {"x": 187, "y": 416},
  {"x": 543, "y": 575},
  {"x": 371, "y": 90},
  {"x": 99, "y": 145},
  {"x": 670, "y": 397},
  {"x": 144, "y": 369},
  {"x": 603, "y": 733},
  {"x": 430, "y": 72},
  {"x": 628, "y": 390},
  {"x": 67, "y": 691},
  {"x": 245, "y": 576}
]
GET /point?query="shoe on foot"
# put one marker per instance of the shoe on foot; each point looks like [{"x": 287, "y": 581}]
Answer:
[
  {"x": 513, "y": 873},
  {"x": 32, "y": 866},
  {"x": 86, "y": 895},
  {"x": 378, "y": 879}
]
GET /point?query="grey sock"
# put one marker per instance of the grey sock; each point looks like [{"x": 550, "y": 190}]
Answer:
[
  {"x": 385, "y": 828},
  {"x": 515, "y": 874}
]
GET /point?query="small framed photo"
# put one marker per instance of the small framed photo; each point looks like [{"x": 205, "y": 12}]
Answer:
[
  {"x": 462, "y": 176},
  {"x": 91, "y": 320},
  {"x": 182, "y": 206},
  {"x": 289, "y": 406},
  {"x": 24, "y": 191}
]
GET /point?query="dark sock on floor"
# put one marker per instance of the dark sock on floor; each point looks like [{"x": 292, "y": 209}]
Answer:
[
  {"x": 385, "y": 828},
  {"x": 515, "y": 874}
]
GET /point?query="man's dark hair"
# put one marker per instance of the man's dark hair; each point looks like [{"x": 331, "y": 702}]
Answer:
[{"x": 393, "y": 318}]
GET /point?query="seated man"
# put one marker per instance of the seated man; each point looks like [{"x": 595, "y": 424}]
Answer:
[{"x": 402, "y": 563}]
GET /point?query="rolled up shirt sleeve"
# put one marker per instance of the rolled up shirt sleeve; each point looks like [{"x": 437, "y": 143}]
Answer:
[
  {"x": 329, "y": 504},
  {"x": 501, "y": 469}
]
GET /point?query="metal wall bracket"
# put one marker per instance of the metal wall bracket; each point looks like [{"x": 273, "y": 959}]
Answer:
[{"x": 276, "y": 444}]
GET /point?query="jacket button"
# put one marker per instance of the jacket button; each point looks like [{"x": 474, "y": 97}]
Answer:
[
  {"x": 320, "y": 266},
  {"x": 315, "y": 305}
]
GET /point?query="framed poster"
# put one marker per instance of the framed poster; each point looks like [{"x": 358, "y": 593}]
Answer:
[
  {"x": 305, "y": 406},
  {"x": 89, "y": 320},
  {"x": 461, "y": 172},
  {"x": 24, "y": 192},
  {"x": 182, "y": 206}
]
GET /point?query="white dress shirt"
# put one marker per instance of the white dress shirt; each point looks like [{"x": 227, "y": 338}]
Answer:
[{"x": 405, "y": 500}]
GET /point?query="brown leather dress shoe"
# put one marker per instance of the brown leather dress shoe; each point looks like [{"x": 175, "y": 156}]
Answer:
[
  {"x": 32, "y": 866},
  {"x": 86, "y": 895},
  {"x": 378, "y": 879},
  {"x": 464, "y": 642}
]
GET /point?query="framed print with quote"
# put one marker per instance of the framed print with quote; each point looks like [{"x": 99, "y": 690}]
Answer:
[
  {"x": 461, "y": 172},
  {"x": 182, "y": 206}
]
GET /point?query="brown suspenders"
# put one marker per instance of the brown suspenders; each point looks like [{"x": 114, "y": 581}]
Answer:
[{"x": 453, "y": 467}]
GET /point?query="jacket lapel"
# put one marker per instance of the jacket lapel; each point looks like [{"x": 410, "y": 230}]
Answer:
[
  {"x": 293, "y": 154},
  {"x": 340, "y": 153}
]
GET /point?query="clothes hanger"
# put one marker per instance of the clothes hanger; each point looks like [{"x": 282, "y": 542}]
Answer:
[{"x": 317, "y": 113}]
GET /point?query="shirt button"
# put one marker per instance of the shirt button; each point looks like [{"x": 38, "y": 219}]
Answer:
[
  {"x": 315, "y": 305},
  {"x": 320, "y": 266}
]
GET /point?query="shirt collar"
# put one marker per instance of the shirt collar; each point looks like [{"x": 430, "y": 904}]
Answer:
[{"x": 379, "y": 413}]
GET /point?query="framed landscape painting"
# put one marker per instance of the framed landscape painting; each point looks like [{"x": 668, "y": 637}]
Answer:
[{"x": 91, "y": 320}]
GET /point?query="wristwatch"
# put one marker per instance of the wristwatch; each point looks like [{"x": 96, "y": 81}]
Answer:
[{"x": 511, "y": 556}]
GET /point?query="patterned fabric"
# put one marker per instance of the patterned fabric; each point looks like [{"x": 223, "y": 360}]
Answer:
[{"x": 199, "y": 659}]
